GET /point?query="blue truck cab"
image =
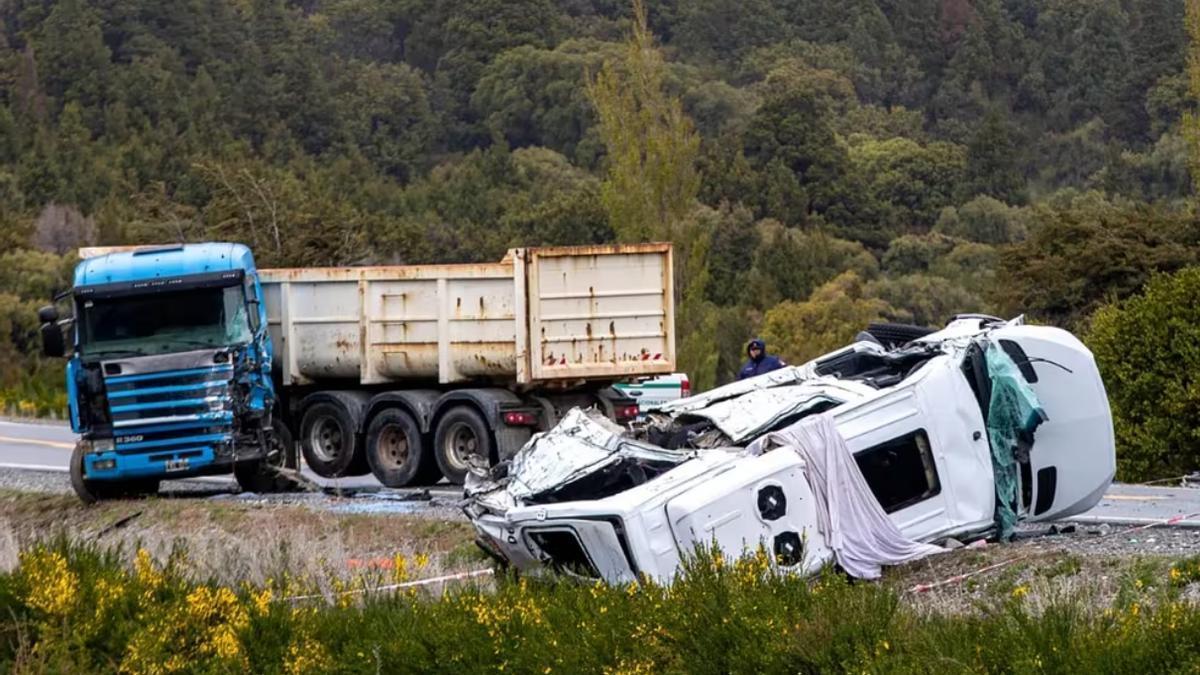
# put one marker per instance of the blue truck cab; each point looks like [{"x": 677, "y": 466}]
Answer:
[{"x": 169, "y": 370}]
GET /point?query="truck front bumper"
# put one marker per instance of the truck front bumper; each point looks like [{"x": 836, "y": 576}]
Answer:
[{"x": 185, "y": 463}]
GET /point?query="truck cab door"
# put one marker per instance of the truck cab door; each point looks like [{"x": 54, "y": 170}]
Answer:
[{"x": 1073, "y": 458}]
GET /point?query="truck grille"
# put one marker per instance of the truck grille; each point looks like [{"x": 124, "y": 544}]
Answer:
[{"x": 171, "y": 411}]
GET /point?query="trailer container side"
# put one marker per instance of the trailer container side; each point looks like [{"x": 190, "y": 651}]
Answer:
[{"x": 538, "y": 315}]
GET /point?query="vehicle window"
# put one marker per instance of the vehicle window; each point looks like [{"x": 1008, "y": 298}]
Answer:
[
  {"x": 162, "y": 323},
  {"x": 1018, "y": 356},
  {"x": 565, "y": 552},
  {"x": 1047, "y": 480},
  {"x": 900, "y": 472}
]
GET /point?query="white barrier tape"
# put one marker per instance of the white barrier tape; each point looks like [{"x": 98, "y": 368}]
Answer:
[
  {"x": 393, "y": 587},
  {"x": 921, "y": 588}
]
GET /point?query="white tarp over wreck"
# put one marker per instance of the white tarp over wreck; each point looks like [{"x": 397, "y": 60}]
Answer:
[{"x": 855, "y": 527}]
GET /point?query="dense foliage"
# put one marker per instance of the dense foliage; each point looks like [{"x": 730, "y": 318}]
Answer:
[
  {"x": 1148, "y": 348},
  {"x": 80, "y": 610},
  {"x": 851, "y": 160}
]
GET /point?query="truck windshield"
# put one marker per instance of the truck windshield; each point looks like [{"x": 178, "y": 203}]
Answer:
[{"x": 163, "y": 323}]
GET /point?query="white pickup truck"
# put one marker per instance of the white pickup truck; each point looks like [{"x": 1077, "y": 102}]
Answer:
[
  {"x": 655, "y": 392},
  {"x": 588, "y": 499}
]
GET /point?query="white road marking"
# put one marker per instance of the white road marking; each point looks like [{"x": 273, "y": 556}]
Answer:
[
  {"x": 37, "y": 441},
  {"x": 33, "y": 467}
]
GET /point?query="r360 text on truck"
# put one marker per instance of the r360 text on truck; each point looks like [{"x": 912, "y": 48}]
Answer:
[{"x": 187, "y": 360}]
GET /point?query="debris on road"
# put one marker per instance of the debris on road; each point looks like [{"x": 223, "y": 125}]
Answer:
[{"x": 960, "y": 433}]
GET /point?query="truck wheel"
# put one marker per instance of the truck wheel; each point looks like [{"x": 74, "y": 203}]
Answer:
[
  {"x": 461, "y": 433},
  {"x": 328, "y": 441},
  {"x": 92, "y": 491},
  {"x": 396, "y": 452},
  {"x": 262, "y": 475}
]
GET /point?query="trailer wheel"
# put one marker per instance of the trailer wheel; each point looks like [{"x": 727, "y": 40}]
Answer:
[
  {"x": 92, "y": 491},
  {"x": 396, "y": 452},
  {"x": 328, "y": 441},
  {"x": 262, "y": 475},
  {"x": 461, "y": 433}
]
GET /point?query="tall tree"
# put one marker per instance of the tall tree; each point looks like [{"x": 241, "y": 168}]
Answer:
[
  {"x": 1191, "y": 121},
  {"x": 652, "y": 146},
  {"x": 993, "y": 161}
]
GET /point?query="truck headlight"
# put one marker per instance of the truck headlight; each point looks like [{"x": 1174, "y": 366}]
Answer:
[{"x": 103, "y": 445}]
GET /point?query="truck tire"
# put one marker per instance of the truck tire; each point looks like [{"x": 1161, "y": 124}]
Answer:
[
  {"x": 262, "y": 475},
  {"x": 328, "y": 441},
  {"x": 461, "y": 432},
  {"x": 893, "y": 335},
  {"x": 396, "y": 452},
  {"x": 92, "y": 491}
]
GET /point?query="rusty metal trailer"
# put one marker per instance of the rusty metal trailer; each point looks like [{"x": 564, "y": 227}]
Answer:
[{"x": 415, "y": 371}]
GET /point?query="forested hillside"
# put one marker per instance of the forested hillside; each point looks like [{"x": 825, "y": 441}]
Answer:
[{"x": 857, "y": 159}]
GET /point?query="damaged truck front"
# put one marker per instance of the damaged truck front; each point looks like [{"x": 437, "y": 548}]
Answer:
[{"x": 957, "y": 434}]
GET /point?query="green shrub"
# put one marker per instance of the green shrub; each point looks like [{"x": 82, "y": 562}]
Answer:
[
  {"x": 68, "y": 608},
  {"x": 1148, "y": 351}
]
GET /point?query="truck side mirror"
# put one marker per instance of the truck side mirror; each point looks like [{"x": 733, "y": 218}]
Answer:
[
  {"x": 253, "y": 304},
  {"x": 48, "y": 314},
  {"x": 53, "y": 344}
]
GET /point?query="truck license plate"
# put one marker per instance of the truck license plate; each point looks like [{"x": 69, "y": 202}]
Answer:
[{"x": 177, "y": 464}]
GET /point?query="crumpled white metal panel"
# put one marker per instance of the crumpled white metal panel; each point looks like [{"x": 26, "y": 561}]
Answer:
[
  {"x": 582, "y": 443},
  {"x": 755, "y": 412},
  {"x": 775, "y": 378}
]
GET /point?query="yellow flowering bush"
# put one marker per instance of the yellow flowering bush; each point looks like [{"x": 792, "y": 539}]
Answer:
[
  {"x": 85, "y": 610},
  {"x": 207, "y": 625},
  {"x": 53, "y": 587}
]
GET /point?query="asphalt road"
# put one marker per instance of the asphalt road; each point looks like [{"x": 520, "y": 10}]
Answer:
[{"x": 47, "y": 447}]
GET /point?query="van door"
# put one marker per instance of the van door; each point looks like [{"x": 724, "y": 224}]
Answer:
[{"x": 1073, "y": 458}]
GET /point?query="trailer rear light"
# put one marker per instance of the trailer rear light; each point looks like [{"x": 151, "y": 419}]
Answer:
[
  {"x": 627, "y": 412},
  {"x": 517, "y": 418}
]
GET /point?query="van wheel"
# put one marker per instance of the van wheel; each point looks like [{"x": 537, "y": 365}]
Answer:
[
  {"x": 461, "y": 434},
  {"x": 262, "y": 475},
  {"x": 328, "y": 441},
  {"x": 396, "y": 452}
]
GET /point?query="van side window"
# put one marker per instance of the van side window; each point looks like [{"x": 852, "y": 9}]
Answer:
[{"x": 900, "y": 472}]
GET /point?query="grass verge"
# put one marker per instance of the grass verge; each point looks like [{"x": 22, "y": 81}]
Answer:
[{"x": 81, "y": 608}]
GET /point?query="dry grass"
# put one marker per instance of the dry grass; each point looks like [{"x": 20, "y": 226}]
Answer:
[
  {"x": 230, "y": 542},
  {"x": 1043, "y": 571}
]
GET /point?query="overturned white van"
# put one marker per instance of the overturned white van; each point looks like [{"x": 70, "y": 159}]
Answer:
[{"x": 590, "y": 499}]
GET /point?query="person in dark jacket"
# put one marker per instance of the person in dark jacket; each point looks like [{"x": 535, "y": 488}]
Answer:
[{"x": 760, "y": 362}]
